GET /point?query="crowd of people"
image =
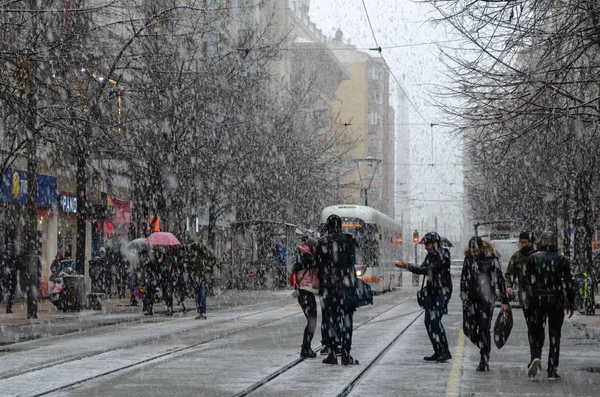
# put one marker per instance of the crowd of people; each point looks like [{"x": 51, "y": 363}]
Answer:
[
  {"x": 543, "y": 281},
  {"x": 177, "y": 272},
  {"x": 325, "y": 269},
  {"x": 167, "y": 273}
]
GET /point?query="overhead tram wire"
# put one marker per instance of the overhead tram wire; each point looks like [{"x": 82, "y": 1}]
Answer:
[{"x": 379, "y": 49}]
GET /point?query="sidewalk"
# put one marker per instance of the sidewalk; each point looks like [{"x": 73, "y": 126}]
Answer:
[
  {"x": 16, "y": 327},
  {"x": 588, "y": 324}
]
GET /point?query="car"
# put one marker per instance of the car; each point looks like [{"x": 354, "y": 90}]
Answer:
[
  {"x": 456, "y": 266},
  {"x": 504, "y": 250}
]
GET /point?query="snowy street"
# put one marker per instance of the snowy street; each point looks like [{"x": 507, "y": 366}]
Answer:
[{"x": 254, "y": 350}]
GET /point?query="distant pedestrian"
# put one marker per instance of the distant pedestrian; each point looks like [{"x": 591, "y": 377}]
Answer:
[
  {"x": 338, "y": 282},
  {"x": 435, "y": 267},
  {"x": 200, "y": 266},
  {"x": 10, "y": 268},
  {"x": 515, "y": 276},
  {"x": 548, "y": 275},
  {"x": 481, "y": 277}
]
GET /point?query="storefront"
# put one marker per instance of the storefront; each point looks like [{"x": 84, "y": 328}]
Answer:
[{"x": 13, "y": 202}]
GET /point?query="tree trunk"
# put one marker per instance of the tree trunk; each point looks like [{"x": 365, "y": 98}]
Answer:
[
  {"x": 81, "y": 182},
  {"x": 31, "y": 242}
]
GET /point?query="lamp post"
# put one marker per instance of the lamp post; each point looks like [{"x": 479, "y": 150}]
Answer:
[{"x": 370, "y": 162}]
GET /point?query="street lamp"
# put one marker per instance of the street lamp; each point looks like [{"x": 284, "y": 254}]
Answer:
[{"x": 370, "y": 162}]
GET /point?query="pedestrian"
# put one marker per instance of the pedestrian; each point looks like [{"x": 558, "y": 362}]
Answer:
[
  {"x": 515, "y": 276},
  {"x": 54, "y": 266},
  {"x": 181, "y": 278},
  {"x": 150, "y": 277},
  {"x": 481, "y": 277},
  {"x": 337, "y": 283},
  {"x": 548, "y": 275},
  {"x": 165, "y": 264},
  {"x": 307, "y": 279},
  {"x": 10, "y": 278},
  {"x": 201, "y": 264},
  {"x": 435, "y": 267}
]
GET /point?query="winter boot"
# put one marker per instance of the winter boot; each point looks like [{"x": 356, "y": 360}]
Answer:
[
  {"x": 306, "y": 352},
  {"x": 444, "y": 356},
  {"x": 347, "y": 359},
  {"x": 483, "y": 365},
  {"x": 552, "y": 375},
  {"x": 433, "y": 357},
  {"x": 331, "y": 358}
]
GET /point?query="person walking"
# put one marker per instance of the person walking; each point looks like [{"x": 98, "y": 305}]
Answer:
[
  {"x": 481, "y": 277},
  {"x": 200, "y": 265},
  {"x": 435, "y": 267},
  {"x": 515, "y": 276},
  {"x": 10, "y": 266},
  {"x": 548, "y": 275},
  {"x": 337, "y": 282},
  {"x": 305, "y": 277}
]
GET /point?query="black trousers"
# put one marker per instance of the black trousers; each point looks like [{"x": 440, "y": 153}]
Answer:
[
  {"x": 527, "y": 313},
  {"x": 308, "y": 303},
  {"x": 542, "y": 308},
  {"x": 477, "y": 323},
  {"x": 434, "y": 311},
  {"x": 337, "y": 320}
]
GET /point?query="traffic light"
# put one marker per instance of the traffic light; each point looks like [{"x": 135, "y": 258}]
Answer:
[{"x": 415, "y": 237}]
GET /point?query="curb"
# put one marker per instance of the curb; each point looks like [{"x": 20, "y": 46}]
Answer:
[{"x": 589, "y": 331}]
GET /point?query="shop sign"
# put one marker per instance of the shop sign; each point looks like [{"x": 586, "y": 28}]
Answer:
[
  {"x": 68, "y": 204},
  {"x": 14, "y": 188}
]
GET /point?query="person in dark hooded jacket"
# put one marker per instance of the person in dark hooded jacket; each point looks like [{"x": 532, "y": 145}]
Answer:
[
  {"x": 436, "y": 267},
  {"x": 481, "y": 277},
  {"x": 337, "y": 280},
  {"x": 548, "y": 276}
]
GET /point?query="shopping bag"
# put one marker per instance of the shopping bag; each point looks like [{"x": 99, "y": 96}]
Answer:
[{"x": 504, "y": 324}]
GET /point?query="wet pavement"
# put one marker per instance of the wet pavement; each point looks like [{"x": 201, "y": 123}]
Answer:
[{"x": 250, "y": 336}]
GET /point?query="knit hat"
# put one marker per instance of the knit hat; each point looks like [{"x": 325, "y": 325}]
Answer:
[{"x": 526, "y": 235}]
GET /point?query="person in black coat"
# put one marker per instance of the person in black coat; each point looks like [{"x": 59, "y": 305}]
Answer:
[
  {"x": 481, "y": 277},
  {"x": 548, "y": 276},
  {"x": 436, "y": 267},
  {"x": 338, "y": 281}
]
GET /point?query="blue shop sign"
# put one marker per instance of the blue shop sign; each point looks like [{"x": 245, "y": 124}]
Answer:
[{"x": 14, "y": 188}]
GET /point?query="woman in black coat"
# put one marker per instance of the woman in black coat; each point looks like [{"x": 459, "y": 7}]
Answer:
[{"x": 480, "y": 279}]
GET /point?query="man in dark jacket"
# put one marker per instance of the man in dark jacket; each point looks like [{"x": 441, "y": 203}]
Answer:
[
  {"x": 515, "y": 275},
  {"x": 338, "y": 281},
  {"x": 480, "y": 278},
  {"x": 436, "y": 267},
  {"x": 548, "y": 275}
]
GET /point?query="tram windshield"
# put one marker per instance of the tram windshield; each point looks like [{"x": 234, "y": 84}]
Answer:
[{"x": 366, "y": 236}]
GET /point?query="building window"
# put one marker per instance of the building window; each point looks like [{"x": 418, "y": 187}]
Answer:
[
  {"x": 373, "y": 118},
  {"x": 375, "y": 72},
  {"x": 376, "y": 97}
]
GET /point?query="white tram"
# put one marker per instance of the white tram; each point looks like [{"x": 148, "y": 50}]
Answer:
[{"x": 379, "y": 239}]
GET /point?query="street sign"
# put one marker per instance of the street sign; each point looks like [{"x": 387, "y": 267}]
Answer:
[{"x": 251, "y": 274}]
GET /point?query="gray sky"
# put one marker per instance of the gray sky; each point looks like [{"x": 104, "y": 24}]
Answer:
[{"x": 414, "y": 62}]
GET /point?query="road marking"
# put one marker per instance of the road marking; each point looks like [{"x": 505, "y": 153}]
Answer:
[{"x": 453, "y": 385}]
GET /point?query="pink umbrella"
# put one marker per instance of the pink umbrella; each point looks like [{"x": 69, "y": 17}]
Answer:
[{"x": 162, "y": 238}]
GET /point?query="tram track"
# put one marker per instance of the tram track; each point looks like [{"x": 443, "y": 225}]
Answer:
[
  {"x": 263, "y": 382},
  {"x": 146, "y": 341},
  {"x": 350, "y": 386}
]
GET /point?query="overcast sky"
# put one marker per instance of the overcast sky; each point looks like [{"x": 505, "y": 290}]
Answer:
[{"x": 414, "y": 61}]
